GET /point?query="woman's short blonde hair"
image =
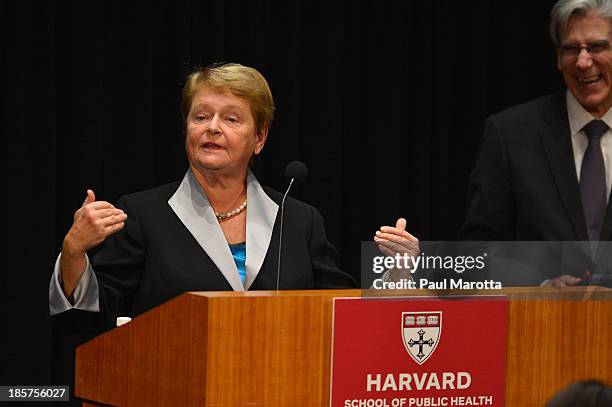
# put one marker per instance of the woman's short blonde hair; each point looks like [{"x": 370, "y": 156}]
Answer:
[{"x": 240, "y": 80}]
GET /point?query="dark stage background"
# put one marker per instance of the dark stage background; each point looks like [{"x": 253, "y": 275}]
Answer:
[{"x": 383, "y": 101}]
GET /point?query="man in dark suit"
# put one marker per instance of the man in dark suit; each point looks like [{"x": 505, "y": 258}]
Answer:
[
  {"x": 545, "y": 167},
  {"x": 544, "y": 171}
]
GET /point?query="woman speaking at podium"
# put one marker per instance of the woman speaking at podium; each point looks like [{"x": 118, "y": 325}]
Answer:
[{"x": 216, "y": 229}]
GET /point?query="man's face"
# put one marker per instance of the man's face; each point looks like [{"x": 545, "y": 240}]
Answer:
[{"x": 585, "y": 59}]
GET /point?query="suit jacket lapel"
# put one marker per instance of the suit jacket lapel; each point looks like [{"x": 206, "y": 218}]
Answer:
[
  {"x": 558, "y": 146},
  {"x": 195, "y": 212},
  {"x": 606, "y": 232},
  {"x": 261, "y": 215}
]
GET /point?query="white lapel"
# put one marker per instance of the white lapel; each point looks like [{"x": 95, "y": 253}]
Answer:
[
  {"x": 261, "y": 214},
  {"x": 193, "y": 209}
]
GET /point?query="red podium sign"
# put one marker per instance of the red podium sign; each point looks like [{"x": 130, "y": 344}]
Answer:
[{"x": 419, "y": 352}]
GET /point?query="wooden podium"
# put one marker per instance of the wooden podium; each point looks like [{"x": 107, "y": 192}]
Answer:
[{"x": 269, "y": 348}]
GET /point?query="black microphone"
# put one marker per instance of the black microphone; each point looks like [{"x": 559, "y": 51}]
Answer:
[{"x": 295, "y": 172}]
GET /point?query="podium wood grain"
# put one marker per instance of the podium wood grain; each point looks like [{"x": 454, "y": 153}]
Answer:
[{"x": 272, "y": 348}]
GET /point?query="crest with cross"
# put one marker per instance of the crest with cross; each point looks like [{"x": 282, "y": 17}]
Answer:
[{"x": 421, "y": 333}]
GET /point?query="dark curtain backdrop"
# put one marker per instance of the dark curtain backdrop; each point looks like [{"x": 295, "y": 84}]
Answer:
[{"x": 384, "y": 101}]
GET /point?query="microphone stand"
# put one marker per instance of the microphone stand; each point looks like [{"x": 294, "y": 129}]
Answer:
[{"x": 280, "y": 239}]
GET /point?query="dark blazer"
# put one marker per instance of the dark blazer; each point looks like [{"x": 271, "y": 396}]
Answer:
[
  {"x": 524, "y": 185},
  {"x": 162, "y": 250},
  {"x": 155, "y": 258}
]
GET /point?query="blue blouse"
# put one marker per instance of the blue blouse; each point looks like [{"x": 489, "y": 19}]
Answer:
[{"x": 239, "y": 254}]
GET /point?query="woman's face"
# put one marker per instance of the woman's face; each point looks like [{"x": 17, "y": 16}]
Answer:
[{"x": 221, "y": 133}]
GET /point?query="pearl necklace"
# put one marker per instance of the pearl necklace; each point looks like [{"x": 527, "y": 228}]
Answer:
[{"x": 234, "y": 212}]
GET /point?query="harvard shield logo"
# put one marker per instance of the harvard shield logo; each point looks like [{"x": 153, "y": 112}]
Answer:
[{"x": 421, "y": 333}]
